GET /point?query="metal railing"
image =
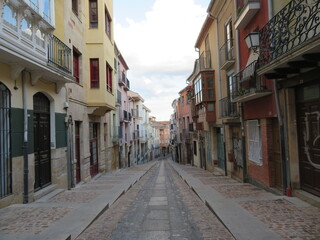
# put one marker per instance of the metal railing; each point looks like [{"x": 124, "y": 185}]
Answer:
[
  {"x": 246, "y": 82},
  {"x": 135, "y": 134},
  {"x": 291, "y": 27},
  {"x": 227, "y": 52},
  {"x": 59, "y": 54},
  {"x": 135, "y": 113},
  {"x": 228, "y": 108}
]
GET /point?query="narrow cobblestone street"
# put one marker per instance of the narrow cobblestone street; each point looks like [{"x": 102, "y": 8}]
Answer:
[{"x": 160, "y": 206}]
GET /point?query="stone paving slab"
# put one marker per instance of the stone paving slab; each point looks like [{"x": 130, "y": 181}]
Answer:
[
  {"x": 265, "y": 215},
  {"x": 67, "y": 213}
]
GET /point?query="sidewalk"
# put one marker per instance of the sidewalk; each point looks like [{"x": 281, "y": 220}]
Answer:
[
  {"x": 65, "y": 214},
  {"x": 250, "y": 212}
]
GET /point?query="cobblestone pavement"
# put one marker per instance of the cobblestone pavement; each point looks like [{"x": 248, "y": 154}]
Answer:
[
  {"x": 291, "y": 218},
  {"x": 68, "y": 212},
  {"x": 160, "y": 206}
]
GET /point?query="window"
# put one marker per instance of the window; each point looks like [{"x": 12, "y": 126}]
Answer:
[
  {"x": 93, "y": 13},
  {"x": 75, "y": 6},
  {"x": 94, "y": 73},
  {"x": 195, "y": 148},
  {"x": 107, "y": 23},
  {"x": 254, "y": 140},
  {"x": 76, "y": 65},
  {"x": 47, "y": 10},
  {"x": 5, "y": 140},
  {"x": 198, "y": 90},
  {"x": 109, "y": 78}
]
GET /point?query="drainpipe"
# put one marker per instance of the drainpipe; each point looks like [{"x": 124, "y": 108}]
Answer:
[
  {"x": 71, "y": 152},
  {"x": 243, "y": 143},
  {"x": 25, "y": 140},
  {"x": 286, "y": 189}
]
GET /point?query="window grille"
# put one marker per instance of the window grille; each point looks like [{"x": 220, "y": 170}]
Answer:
[
  {"x": 5, "y": 142},
  {"x": 254, "y": 140}
]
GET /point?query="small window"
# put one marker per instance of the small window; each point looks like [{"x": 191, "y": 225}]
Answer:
[
  {"x": 195, "y": 148},
  {"x": 76, "y": 65},
  {"x": 109, "y": 78},
  {"x": 254, "y": 142},
  {"x": 93, "y": 13},
  {"x": 107, "y": 23},
  {"x": 94, "y": 73},
  {"x": 75, "y": 6}
]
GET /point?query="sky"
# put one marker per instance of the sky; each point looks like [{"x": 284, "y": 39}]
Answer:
[{"x": 156, "y": 39}]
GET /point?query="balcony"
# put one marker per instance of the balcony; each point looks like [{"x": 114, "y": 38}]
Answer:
[
  {"x": 290, "y": 40},
  {"x": 228, "y": 109},
  {"x": 203, "y": 63},
  {"x": 26, "y": 40},
  {"x": 186, "y": 134},
  {"x": 135, "y": 113},
  {"x": 246, "y": 9},
  {"x": 247, "y": 86},
  {"x": 123, "y": 81},
  {"x": 227, "y": 58},
  {"x": 59, "y": 55},
  {"x": 135, "y": 134}
]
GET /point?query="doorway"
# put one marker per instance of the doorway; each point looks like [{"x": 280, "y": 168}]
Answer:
[{"x": 42, "y": 151}]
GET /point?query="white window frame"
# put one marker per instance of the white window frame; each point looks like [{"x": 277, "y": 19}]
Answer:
[{"x": 254, "y": 142}]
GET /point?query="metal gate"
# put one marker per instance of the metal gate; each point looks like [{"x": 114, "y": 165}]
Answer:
[
  {"x": 308, "y": 118},
  {"x": 93, "y": 129},
  {"x": 5, "y": 142},
  {"x": 42, "y": 152}
]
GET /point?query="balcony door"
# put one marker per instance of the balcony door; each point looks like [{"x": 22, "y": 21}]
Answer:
[{"x": 42, "y": 151}]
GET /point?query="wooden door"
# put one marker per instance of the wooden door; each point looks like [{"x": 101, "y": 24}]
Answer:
[
  {"x": 42, "y": 152},
  {"x": 308, "y": 119}
]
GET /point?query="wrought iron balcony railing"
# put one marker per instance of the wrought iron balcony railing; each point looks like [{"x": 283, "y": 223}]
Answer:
[
  {"x": 228, "y": 109},
  {"x": 295, "y": 24},
  {"x": 59, "y": 54},
  {"x": 227, "y": 54},
  {"x": 246, "y": 82}
]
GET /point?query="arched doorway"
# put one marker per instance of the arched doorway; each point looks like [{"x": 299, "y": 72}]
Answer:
[
  {"x": 5, "y": 142},
  {"x": 42, "y": 152}
]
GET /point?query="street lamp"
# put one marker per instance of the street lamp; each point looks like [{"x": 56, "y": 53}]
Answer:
[{"x": 252, "y": 40}]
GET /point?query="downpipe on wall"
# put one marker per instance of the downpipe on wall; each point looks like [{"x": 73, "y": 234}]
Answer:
[{"x": 25, "y": 140}]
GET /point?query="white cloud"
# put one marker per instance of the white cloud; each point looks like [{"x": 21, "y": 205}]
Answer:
[{"x": 160, "y": 51}]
